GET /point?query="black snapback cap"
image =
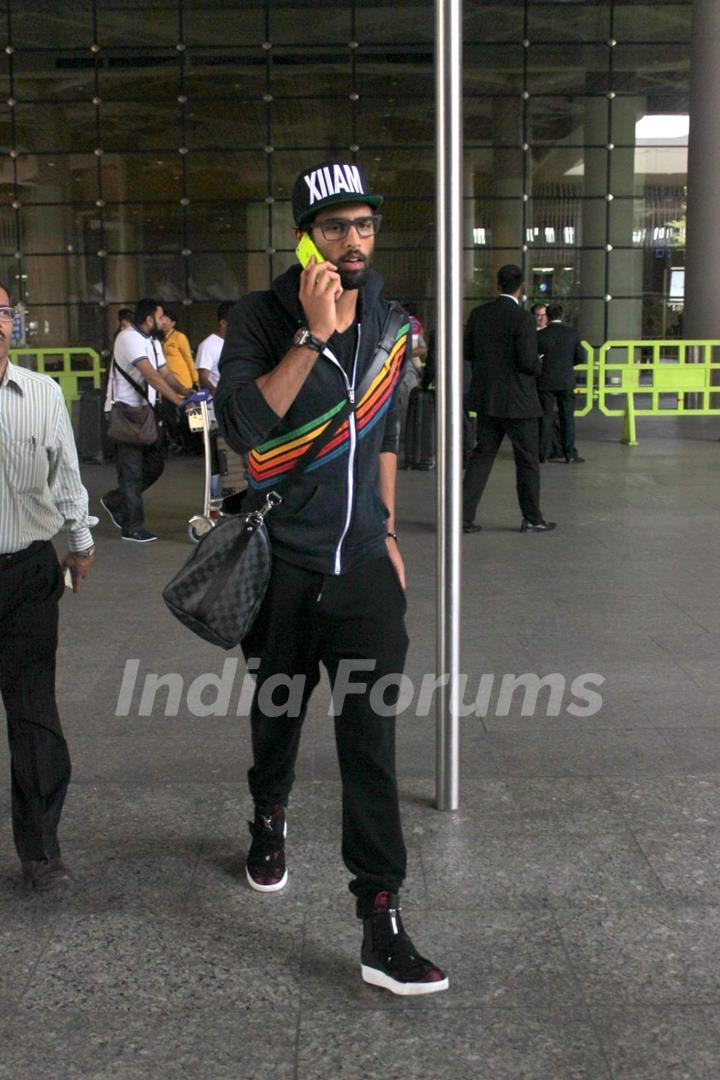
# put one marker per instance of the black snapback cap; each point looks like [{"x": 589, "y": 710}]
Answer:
[{"x": 329, "y": 184}]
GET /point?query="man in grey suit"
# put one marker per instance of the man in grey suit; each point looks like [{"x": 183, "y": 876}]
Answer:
[
  {"x": 501, "y": 345},
  {"x": 560, "y": 350}
]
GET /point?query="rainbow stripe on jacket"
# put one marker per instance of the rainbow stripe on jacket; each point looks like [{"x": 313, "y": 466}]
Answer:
[{"x": 273, "y": 458}]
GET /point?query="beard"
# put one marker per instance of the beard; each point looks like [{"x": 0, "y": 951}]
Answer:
[{"x": 355, "y": 279}]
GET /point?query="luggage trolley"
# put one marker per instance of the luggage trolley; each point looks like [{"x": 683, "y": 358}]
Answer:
[{"x": 230, "y": 466}]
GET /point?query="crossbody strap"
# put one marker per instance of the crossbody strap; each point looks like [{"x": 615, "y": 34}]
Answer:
[
  {"x": 394, "y": 320},
  {"x": 136, "y": 386}
]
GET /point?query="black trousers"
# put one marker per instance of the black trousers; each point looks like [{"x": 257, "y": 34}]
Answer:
[
  {"x": 138, "y": 467},
  {"x": 30, "y": 585},
  {"x": 566, "y": 411},
  {"x": 308, "y": 618},
  {"x": 523, "y": 435}
]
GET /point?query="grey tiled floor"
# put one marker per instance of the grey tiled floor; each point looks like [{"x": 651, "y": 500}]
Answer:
[{"x": 574, "y": 897}]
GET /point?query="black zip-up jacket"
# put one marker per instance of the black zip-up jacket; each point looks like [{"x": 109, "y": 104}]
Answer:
[{"x": 331, "y": 517}]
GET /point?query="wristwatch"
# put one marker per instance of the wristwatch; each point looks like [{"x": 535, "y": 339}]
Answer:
[{"x": 304, "y": 338}]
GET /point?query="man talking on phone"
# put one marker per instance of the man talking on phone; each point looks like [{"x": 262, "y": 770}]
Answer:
[
  {"x": 40, "y": 493},
  {"x": 311, "y": 367}
]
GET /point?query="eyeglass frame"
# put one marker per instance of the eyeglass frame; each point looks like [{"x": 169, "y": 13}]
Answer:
[
  {"x": 348, "y": 223},
  {"x": 10, "y": 317}
]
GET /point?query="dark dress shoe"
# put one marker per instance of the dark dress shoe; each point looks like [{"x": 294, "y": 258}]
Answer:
[
  {"x": 573, "y": 459},
  {"x": 542, "y": 526},
  {"x": 46, "y": 874},
  {"x": 469, "y": 527}
]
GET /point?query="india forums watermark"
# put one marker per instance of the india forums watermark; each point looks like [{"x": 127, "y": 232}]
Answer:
[{"x": 231, "y": 692}]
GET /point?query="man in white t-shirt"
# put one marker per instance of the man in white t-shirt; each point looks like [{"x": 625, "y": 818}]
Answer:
[
  {"x": 209, "y": 350},
  {"x": 139, "y": 372}
]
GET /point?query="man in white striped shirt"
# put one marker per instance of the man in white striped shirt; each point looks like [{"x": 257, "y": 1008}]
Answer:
[{"x": 40, "y": 493}]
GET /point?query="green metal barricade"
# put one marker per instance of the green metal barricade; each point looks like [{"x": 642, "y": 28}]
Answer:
[
  {"x": 585, "y": 375},
  {"x": 75, "y": 370},
  {"x": 656, "y": 378}
]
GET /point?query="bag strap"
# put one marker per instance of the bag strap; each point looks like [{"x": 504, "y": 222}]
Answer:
[
  {"x": 393, "y": 321},
  {"x": 142, "y": 390}
]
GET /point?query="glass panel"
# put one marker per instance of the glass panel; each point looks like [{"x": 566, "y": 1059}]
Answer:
[
  {"x": 568, "y": 22},
  {"x": 289, "y": 26},
  {"x": 43, "y": 76},
  {"x": 397, "y": 23},
  {"x": 553, "y": 69},
  {"x": 50, "y": 325},
  {"x": 652, "y": 22},
  {"x": 142, "y": 177},
  {"x": 241, "y": 73},
  {"x": 588, "y": 317},
  {"x": 60, "y": 26},
  {"x": 8, "y": 232},
  {"x": 212, "y": 125},
  {"x": 567, "y": 166},
  {"x": 492, "y": 69},
  {"x": 573, "y": 121},
  {"x": 322, "y": 122},
  {"x": 127, "y": 74},
  {"x": 229, "y": 226},
  {"x": 218, "y": 276},
  {"x": 485, "y": 22},
  {"x": 626, "y": 272},
  {"x": 61, "y": 278},
  {"x": 651, "y": 69},
  {"x": 46, "y": 178},
  {"x": 299, "y": 73},
  {"x": 636, "y": 319},
  {"x": 553, "y": 275},
  {"x": 554, "y": 222},
  {"x": 154, "y": 273},
  {"x": 481, "y": 270},
  {"x": 226, "y": 175},
  {"x": 152, "y": 24},
  {"x": 657, "y": 221},
  {"x": 140, "y": 125},
  {"x": 396, "y": 121},
  {"x": 56, "y": 127},
  {"x": 55, "y": 229},
  {"x": 382, "y": 73},
  {"x": 206, "y": 24},
  {"x": 144, "y": 227}
]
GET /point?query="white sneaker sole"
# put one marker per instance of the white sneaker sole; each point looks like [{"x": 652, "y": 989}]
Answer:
[
  {"x": 134, "y": 539},
  {"x": 266, "y": 888},
  {"x": 110, "y": 514},
  {"x": 385, "y": 982}
]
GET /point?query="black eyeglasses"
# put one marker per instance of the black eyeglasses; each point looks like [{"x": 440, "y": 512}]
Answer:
[{"x": 338, "y": 228}]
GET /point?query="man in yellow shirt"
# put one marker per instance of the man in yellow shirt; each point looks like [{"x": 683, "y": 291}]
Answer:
[{"x": 176, "y": 347}]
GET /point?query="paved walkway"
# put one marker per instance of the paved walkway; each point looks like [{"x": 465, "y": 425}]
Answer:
[{"x": 573, "y": 897}]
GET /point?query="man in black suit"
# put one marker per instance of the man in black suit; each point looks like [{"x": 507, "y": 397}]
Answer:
[
  {"x": 560, "y": 350},
  {"x": 501, "y": 345}
]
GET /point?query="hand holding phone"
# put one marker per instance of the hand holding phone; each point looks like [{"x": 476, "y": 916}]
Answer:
[
  {"x": 306, "y": 249},
  {"x": 320, "y": 289}
]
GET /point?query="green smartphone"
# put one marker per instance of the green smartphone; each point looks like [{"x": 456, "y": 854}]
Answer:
[{"x": 306, "y": 248}]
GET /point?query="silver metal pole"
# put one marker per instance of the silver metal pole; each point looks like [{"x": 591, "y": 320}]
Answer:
[{"x": 449, "y": 217}]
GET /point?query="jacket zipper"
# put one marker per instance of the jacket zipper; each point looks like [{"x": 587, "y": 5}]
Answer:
[{"x": 337, "y": 569}]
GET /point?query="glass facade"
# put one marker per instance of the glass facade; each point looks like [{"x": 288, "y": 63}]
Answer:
[{"x": 150, "y": 149}]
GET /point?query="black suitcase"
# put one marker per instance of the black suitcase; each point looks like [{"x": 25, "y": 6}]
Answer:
[
  {"x": 92, "y": 441},
  {"x": 420, "y": 430}
]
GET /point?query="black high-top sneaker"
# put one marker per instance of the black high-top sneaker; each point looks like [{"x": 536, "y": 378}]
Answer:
[
  {"x": 389, "y": 958},
  {"x": 265, "y": 866}
]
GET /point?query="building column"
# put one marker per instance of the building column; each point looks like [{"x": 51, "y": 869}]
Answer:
[{"x": 702, "y": 261}]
